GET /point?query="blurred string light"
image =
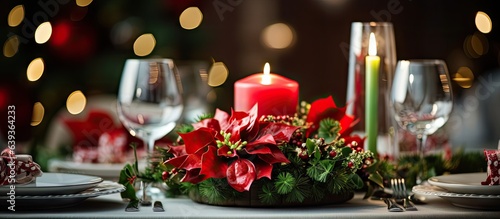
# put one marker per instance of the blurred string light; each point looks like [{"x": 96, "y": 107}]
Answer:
[
  {"x": 278, "y": 36},
  {"x": 191, "y": 18},
  {"x": 35, "y": 69},
  {"x": 83, "y": 3},
  {"x": 43, "y": 32},
  {"x": 483, "y": 22},
  {"x": 38, "y": 113},
  {"x": 76, "y": 102},
  {"x": 16, "y": 16},
  {"x": 217, "y": 74},
  {"x": 476, "y": 45},
  {"x": 464, "y": 77},
  {"x": 11, "y": 46},
  {"x": 144, "y": 44}
]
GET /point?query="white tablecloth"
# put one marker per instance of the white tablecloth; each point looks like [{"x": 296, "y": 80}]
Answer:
[{"x": 111, "y": 206}]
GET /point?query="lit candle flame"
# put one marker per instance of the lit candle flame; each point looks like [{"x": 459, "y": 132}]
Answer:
[
  {"x": 372, "y": 46},
  {"x": 266, "y": 77}
]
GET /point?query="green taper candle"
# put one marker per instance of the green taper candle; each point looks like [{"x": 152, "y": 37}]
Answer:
[{"x": 372, "y": 64}]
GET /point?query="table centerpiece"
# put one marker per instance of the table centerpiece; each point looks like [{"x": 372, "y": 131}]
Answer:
[{"x": 240, "y": 159}]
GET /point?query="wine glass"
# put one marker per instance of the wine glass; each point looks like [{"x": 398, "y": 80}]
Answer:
[
  {"x": 149, "y": 104},
  {"x": 422, "y": 99}
]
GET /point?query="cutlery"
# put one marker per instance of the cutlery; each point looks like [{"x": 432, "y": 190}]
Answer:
[
  {"x": 145, "y": 200},
  {"x": 401, "y": 195},
  {"x": 133, "y": 206},
  {"x": 392, "y": 206},
  {"x": 158, "y": 207}
]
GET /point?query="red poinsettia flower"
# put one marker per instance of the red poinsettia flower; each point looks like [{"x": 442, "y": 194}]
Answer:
[
  {"x": 236, "y": 147},
  {"x": 326, "y": 108}
]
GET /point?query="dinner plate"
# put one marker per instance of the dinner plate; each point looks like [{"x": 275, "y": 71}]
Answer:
[
  {"x": 475, "y": 201},
  {"x": 54, "y": 184},
  {"x": 34, "y": 202},
  {"x": 468, "y": 183},
  {"x": 104, "y": 170}
]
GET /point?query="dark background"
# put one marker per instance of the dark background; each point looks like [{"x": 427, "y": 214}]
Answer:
[{"x": 92, "y": 63}]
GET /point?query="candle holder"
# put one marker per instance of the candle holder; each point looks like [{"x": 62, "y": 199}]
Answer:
[{"x": 386, "y": 142}]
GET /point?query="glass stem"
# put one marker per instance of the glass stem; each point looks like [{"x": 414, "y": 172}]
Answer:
[{"x": 421, "y": 141}]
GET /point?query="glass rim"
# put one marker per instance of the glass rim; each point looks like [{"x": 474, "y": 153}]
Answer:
[
  {"x": 374, "y": 23},
  {"x": 423, "y": 61},
  {"x": 159, "y": 60}
]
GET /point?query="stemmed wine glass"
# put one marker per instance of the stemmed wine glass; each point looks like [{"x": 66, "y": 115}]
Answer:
[
  {"x": 149, "y": 103},
  {"x": 422, "y": 99}
]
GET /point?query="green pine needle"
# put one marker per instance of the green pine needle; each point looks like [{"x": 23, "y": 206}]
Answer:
[
  {"x": 300, "y": 191},
  {"x": 214, "y": 191},
  {"x": 329, "y": 129},
  {"x": 268, "y": 194},
  {"x": 321, "y": 171},
  {"x": 285, "y": 183}
]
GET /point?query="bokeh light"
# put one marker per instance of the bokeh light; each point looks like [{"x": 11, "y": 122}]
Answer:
[
  {"x": 35, "y": 69},
  {"x": 218, "y": 74},
  {"x": 476, "y": 45},
  {"x": 191, "y": 18},
  {"x": 76, "y": 102},
  {"x": 16, "y": 16},
  {"x": 278, "y": 36},
  {"x": 11, "y": 46},
  {"x": 43, "y": 32},
  {"x": 38, "y": 113},
  {"x": 83, "y": 3},
  {"x": 464, "y": 77},
  {"x": 483, "y": 22},
  {"x": 144, "y": 44}
]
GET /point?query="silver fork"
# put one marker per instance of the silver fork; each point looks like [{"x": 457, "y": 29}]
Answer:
[{"x": 400, "y": 194}]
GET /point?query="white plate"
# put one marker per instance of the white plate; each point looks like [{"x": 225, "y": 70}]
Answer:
[
  {"x": 55, "y": 184},
  {"x": 104, "y": 170},
  {"x": 465, "y": 183},
  {"x": 59, "y": 201},
  {"x": 476, "y": 201}
]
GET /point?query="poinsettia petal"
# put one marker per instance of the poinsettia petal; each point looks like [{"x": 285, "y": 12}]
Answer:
[
  {"x": 176, "y": 161},
  {"x": 347, "y": 123},
  {"x": 208, "y": 123},
  {"x": 321, "y": 109},
  {"x": 276, "y": 156},
  {"x": 193, "y": 176},
  {"x": 197, "y": 139},
  {"x": 241, "y": 174},
  {"x": 262, "y": 169},
  {"x": 253, "y": 129},
  {"x": 223, "y": 118},
  {"x": 213, "y": 166},
  {"x": 280, "y": 132},
  {"x": 178, "y": 151},
  {"x": 261, "y": 145},
  {"x": 223, "y": 151}
]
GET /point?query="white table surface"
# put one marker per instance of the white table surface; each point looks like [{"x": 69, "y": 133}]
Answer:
[{"x": 111, "y": 206}]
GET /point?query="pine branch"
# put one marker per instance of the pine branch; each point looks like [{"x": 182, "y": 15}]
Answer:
[{"x": 285, "y": 183}]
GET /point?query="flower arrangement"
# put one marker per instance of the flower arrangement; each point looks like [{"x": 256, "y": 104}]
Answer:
[{"x": 279, "y": 159}]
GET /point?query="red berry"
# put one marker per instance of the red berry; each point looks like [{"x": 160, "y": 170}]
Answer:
[
  {"x": 350, "y": 164},
  {"x": 333, "y": 153},
  {"x": 164, "y": 175},
  {"x": 303, "y": 156}
]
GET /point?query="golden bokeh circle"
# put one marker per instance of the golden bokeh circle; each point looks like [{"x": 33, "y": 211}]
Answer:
[
  {"x": 76, "y": 102},
  {"x": 217, "y": 74},
  {"x": 191, "y": 18},
  {"x": 144, "y": 44},
  {"x": 35, "y": 69}
]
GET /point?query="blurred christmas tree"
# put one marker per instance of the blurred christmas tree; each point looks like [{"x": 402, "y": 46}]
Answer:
[{"x": 83, "y": 48}]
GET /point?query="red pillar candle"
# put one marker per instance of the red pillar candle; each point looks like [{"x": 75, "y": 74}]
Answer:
[{"x": 275, "y": 94}]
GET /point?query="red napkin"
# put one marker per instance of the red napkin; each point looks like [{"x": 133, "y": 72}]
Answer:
[{"x": 493, "y": 167}]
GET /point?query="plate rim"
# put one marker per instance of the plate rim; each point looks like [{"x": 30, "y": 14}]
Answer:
[
  {"x": 440, "y": 181},
  {"x": 29, "y": 188}
]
